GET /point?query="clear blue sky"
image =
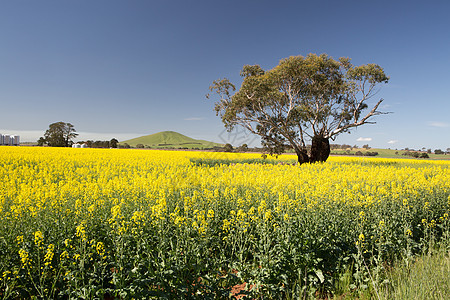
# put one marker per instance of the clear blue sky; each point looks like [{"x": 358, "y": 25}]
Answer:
[{"x": 129, "y": 68}]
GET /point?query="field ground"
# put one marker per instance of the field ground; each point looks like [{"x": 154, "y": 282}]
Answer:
[
  {"x": 389, "y": 153},
  {"x": 104, "y": 223}
]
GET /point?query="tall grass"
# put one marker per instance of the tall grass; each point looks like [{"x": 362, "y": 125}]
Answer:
[{"x": 428, "y": 277}]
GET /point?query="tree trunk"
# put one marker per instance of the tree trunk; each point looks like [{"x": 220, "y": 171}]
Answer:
[
  {"x": 320, "y": 149},
  {"x": 302, "y": 156}
]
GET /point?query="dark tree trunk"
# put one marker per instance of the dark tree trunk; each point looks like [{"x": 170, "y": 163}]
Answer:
[
  {"x": 320, "y": 149},
  {"x": 302, "y": 156}
]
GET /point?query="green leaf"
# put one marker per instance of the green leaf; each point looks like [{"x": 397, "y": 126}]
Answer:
[{"x": 319, "y": 274}]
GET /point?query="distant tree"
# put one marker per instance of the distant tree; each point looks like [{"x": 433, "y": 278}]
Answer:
[
  {"x": 345, "y": 146},
  {"x": 429, "y": 151},
  {"x": 243, "y": 148},
  {"x": 228, "y": 148},
  {"x": 113, "y": 143},
  {"x": 448, "y": 150},
  {"x": 438, "y": 151},
  {"x": 334, "y": 146},
  {"x": 41, "y": 141},
  {"x": 303, "y": 99},
  {"x": 424, "y": 155},
  {"x": 60, "y": 134},
  {"x": 140, "y": 146},
  {"x": 369, "y": 153},
  {"x": 366, "y": 146}
]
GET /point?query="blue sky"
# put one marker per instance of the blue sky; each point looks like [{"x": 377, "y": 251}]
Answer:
[{"x": 129, "y": 68}]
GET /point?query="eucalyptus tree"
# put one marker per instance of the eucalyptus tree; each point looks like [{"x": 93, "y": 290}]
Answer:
[{"x": 303, "y": 100}]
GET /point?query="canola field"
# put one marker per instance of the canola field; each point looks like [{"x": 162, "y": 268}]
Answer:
[{"x": 144, "y": 224}]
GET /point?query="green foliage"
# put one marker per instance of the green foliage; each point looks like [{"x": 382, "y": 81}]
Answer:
[
  {"x": 59, "y": 134},
  {"x": 41, "y": 141},
  {"x": 228, "y": 148},
  {"x": 113, "y": 143}
]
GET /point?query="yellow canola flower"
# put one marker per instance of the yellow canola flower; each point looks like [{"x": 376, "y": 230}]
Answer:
[
  {"x": 64, "y": 255},
  {"x": 24, "y": 257},
  {"x": 361, "y": 237},
  {"x": 81, "y": 232},
  {"x": 132, "y": 191},
  {"x": 49, "y": 254},
  {"x": 38, "y": 237},
  {"x": 100, "y": 249},
  {"x": 19, "y": 240}
]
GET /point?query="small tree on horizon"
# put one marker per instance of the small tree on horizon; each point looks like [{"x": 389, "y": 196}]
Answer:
[
  {"x": 113, "y": 143},
  {"x": 60, "y": 134},
  {"x": 228, "y": 148}
]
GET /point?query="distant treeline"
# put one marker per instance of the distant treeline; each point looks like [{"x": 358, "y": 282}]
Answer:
[
  {"x": 230, "y": 148},
  {"x": 113, "y": 143}
]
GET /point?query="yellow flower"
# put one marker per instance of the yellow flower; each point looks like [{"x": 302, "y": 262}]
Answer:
[
  {"x": 64, "y": 255},
  {"x": 49, "y": 254},
  {"x": 38, "y": 238},
  {"x": 81, "y": 232},
  {"x": 19, "y": 240},
  {"x": 100, "y": 248},
  {"x": 24, "y": 257}
]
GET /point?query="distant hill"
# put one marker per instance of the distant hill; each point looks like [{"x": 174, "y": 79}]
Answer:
[{"x": 170, "y": 139}]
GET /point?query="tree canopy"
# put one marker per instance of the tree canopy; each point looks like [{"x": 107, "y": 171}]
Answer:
[
  {"x": 60, "y": 134},
  {"x": 301, "y": 100}
]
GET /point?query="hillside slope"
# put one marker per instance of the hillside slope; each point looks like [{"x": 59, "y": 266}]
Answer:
[{"x": 170, "y": 139}]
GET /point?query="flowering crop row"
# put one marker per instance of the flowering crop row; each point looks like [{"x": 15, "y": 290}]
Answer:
[{"x": 85, "y": 223}]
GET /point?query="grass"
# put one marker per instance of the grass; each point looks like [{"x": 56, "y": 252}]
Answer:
[{"x": 425, "y": 278}]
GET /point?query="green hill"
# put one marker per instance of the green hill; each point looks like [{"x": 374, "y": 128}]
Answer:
[{"x": 170, "y": 139}]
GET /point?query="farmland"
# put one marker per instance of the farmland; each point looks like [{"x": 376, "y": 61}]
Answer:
[{"x": 98, "y": 223}]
